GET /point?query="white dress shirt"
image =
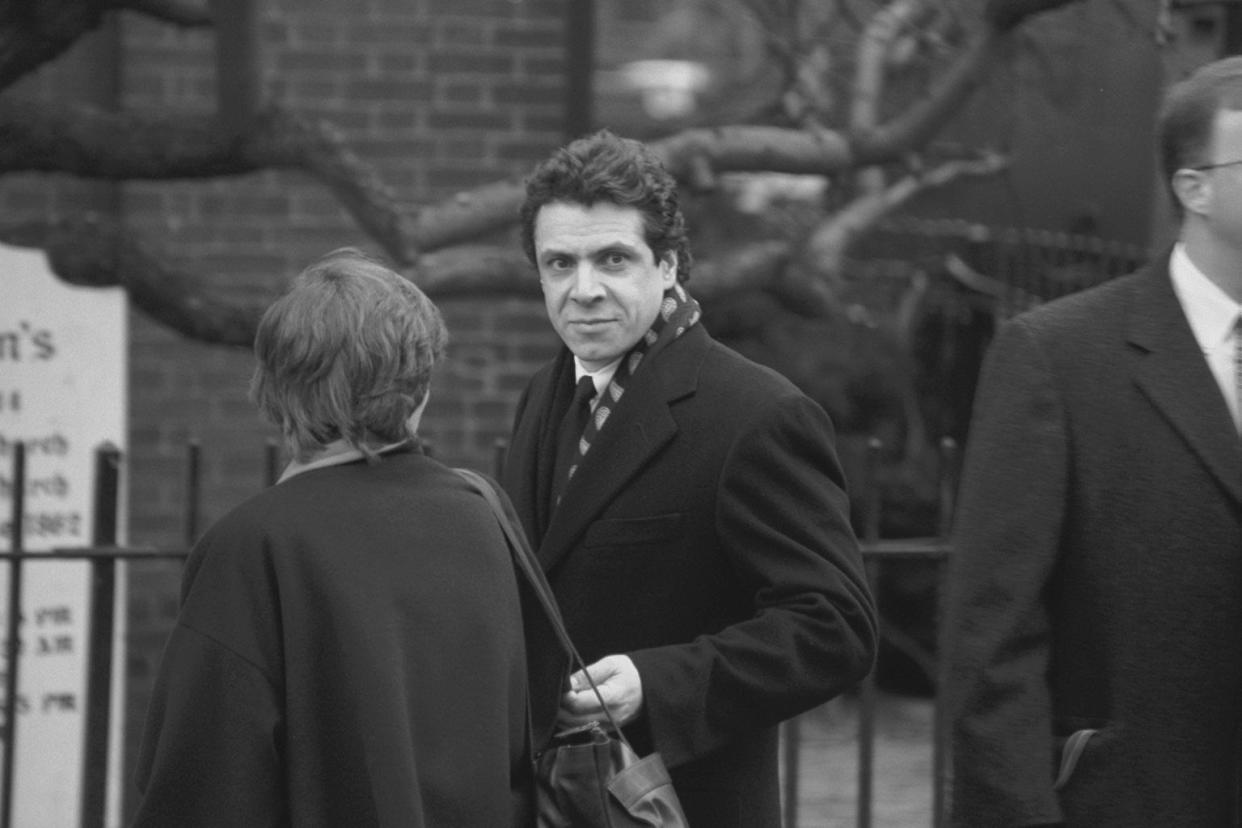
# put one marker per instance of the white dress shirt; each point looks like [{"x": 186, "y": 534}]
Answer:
[
  {"x": 601, "y": 378},
  {"x": 1213, "y": 318}
]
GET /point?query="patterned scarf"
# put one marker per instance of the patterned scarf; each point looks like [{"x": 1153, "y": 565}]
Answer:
[{"x": 679, "y": 312}]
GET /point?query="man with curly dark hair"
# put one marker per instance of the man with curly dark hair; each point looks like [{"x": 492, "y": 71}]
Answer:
[{"x": 687, "y": 504}]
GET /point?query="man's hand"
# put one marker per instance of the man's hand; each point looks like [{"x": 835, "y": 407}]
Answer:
[{"x": 619, "y": 684}]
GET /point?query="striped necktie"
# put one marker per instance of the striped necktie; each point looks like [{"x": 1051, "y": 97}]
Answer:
[{"x": 570, "y": 432}]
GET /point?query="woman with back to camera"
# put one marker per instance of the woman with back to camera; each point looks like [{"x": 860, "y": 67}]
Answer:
[{"x": 349, "y": 646}]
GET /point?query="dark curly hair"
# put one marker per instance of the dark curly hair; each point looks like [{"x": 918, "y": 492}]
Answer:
[{"x": 604, "y": 167}]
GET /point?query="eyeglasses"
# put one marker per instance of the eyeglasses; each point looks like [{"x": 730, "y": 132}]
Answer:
[{"x": 1204, "y": 167}]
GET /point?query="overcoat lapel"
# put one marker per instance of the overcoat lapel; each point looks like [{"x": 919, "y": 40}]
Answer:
[
  {"x": 638, "y": 428},
  {"x": 1172, "y": 372},
  {"x": 528, "y": 467}
]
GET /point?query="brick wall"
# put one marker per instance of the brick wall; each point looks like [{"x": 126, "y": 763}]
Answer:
[{"x": 439, "y": 95}]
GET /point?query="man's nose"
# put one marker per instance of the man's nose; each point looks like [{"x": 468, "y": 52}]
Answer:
[{"x": 586, "y": 286}]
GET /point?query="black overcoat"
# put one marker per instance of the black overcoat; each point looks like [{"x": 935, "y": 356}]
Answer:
[
  {"x": 1098, "y": 572},
  {"x": 706, "y": 536},
  {"x": 348, "y": 653}
]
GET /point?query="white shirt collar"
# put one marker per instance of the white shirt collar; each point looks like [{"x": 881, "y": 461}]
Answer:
[
  {"x": 601, "y": 378},
  {"x": 1210, "y": 311}
]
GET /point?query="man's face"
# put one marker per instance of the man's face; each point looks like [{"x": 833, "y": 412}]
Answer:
[
  {"x": 601, "y": 282},
  {"x": 1226, "y": 182}
]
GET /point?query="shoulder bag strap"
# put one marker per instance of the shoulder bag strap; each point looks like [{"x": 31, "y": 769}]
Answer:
[{"x": 533, "y": 572}]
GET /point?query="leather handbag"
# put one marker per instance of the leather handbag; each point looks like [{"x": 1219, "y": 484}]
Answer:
[{"x": 588, "y": 777}]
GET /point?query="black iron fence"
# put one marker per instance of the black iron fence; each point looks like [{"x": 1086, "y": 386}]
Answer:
[
  {"x": 103, "y": 556},
  {"x": 878, "y": 554},
  {"x": 1013, "y": 268}
]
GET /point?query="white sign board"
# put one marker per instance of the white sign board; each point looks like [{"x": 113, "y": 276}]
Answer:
[{"x": 62, "y": 394}]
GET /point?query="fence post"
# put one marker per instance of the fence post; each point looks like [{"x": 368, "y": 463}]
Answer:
[
  {"x": 12, "y": 650},
  {"x": 102, "y": 626},
  {"x": 866, "y": 688},
  {"x": 940, "y": 716},
  {"x": 192, "y": 486}
]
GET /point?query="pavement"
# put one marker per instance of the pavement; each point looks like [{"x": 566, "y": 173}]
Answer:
[{"x": 828, "y": 762}]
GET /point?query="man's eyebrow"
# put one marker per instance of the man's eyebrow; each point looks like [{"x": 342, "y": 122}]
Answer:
[
  {"x": 554, "y": 253},
  {"x": 602, "y": 250},
  {"x": 616, "y": 247}
]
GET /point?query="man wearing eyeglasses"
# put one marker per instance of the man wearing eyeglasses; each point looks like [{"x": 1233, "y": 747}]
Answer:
[{"x": 1096, "y": 595}]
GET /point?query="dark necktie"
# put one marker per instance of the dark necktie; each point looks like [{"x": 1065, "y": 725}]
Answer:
[{"x": 572, "y": 426}]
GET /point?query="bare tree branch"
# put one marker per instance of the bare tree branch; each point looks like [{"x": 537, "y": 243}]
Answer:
[
  {"x": 869, "y": 74},
  {"x": 919, "y": 123},
  {"x": 36, "y": 32},
  {"x": 826, "y": 247},
  {"x": 1005, "y": 15},
  {"x": 33, "y": 33},
  {"x": 38, "y": 136},
  {"x": 93, "y": 251},
  {"x": 184, "y": 13},
  {"x": 874, "y": 46},
  {"x": 473, "y": 270},
  {"x": 1015, "y": 297},
  {"x": 756, "y": 149}
]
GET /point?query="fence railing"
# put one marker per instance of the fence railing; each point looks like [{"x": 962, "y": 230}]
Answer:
[
  {"x": 104, "y": 554},
  {"x": 1016, "y": 267}
]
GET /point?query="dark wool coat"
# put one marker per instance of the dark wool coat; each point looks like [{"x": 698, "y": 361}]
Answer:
[
  {"x": 706, "y": 536},
  {"x": 348, "y": 653},
  {"x": 1097, "y": 580}
]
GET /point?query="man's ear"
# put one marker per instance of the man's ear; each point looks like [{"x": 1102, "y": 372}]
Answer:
[
  {"x": 668, "y": 266},
  {"x": 1193, "y": 189}
]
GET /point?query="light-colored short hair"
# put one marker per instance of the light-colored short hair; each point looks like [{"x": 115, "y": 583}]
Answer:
[
  {"x": 1187, "y": 117},
  {"x": 346, "y": 353}
]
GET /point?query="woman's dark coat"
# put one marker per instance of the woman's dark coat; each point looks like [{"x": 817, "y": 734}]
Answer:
[{"x": 349, "y": 653}]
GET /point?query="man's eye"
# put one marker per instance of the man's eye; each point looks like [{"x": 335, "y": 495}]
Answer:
[
  {"x": 615, "y": 259},
  {"x": 559, "y": 263}
]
